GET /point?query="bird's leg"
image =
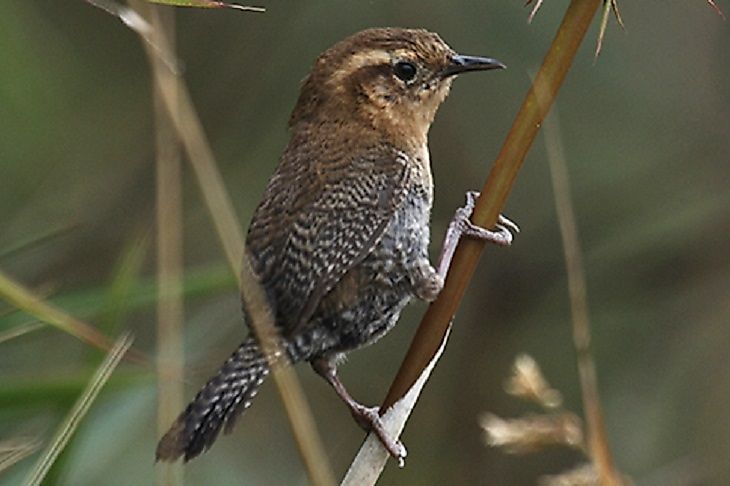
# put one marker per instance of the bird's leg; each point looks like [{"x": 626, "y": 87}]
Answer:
[
  {"x": 367, "y": 417},
  {"x": 461, "y": 225}
]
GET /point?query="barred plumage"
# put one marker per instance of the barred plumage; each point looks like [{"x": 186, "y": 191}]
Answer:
[{"x": 217, "y": 404}]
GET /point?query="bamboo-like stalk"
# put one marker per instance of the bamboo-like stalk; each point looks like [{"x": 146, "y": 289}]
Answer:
[
  {"x": 550, "y": 77},
  {"x": 170, "y": 314}
]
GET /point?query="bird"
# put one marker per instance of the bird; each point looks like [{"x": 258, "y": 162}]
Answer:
[{"x": 339, "y": 241}]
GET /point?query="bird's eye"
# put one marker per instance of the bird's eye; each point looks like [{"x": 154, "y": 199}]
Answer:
[{"x": 405, "y": 71}]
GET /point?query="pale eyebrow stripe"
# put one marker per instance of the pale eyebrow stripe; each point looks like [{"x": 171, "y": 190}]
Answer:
[{"x": 360, "y": 60}]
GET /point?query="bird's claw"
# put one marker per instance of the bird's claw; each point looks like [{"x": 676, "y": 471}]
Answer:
[
  {"x": 369, "y": 419},
  {"x": 501, "y": 235}
]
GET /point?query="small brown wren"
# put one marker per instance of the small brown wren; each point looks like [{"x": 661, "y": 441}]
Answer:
[{"x": 340, "y": 238}]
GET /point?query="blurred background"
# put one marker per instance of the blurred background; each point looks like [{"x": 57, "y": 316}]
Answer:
[{"x": 646, "y": 133}]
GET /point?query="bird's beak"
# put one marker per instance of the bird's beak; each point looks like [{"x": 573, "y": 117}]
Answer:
[{"x": 461, "y": 64}]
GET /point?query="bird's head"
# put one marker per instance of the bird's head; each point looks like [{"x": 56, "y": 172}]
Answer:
[{"x": 390, "y": 79}]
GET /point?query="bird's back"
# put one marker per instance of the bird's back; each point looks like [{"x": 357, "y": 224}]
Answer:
[{"x": 334, "y": 236}]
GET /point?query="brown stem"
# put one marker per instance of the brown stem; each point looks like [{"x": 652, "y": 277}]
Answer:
[{"x": 437, "y": 319}]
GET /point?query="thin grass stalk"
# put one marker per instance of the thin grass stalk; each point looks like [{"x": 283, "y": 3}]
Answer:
[
  {"x": 191, "y": 135},
  {"x": 117, "y": 298},
  {"x": 297, "y": 409},
  {"x": 170, "y": 313},
  {"x": 215, "y": 195},
  {"x": 78, "y": 412},
  {"x": 597, "y": 438},
  {"x": 44, "y": 236},
  {"x": 20, "y": 330},
  {"x": 190, "y": 132},
  {"x": 24, "y": 299},
  {"x": 15, "y": 450}
]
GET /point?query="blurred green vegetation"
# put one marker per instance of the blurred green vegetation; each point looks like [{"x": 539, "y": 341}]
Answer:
[{"x": 646, "y": 129}]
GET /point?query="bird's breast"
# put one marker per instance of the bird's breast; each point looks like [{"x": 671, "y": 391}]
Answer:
[{"x": 422, "y": 168}]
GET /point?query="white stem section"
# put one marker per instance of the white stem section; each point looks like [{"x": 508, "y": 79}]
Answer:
[{"x": 370, "y": 461}]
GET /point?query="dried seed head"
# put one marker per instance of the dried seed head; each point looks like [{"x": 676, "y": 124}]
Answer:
[
  {"x": 533, "y": 432},
  {"x": 528, "y": 383}
]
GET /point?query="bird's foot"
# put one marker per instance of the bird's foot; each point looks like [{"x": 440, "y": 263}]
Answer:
[
  {"x": 461, "y": 225},
  {"x": 369, "y": 419},
  {"x": 501, "y": 235},
  {"x": 366, "y": 417}
]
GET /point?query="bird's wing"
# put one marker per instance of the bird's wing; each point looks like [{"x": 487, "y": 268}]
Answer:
[{"x": 318, "y": 223}]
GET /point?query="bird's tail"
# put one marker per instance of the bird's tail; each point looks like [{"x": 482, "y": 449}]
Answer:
[{"x": 218, "y": 403}]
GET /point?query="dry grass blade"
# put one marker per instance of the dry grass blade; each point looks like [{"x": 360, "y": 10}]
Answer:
[
  {"x": 27, "y": 301},
  {"x": 187, "y": 125},
  {"x": 137, "y": 23},
  {"x": 38, "y": 240},
  {"x": 602, "y": 28},
  {"x": 617, "y": 13},
  {"x": 717, "y": 9},
  {"x": 179, "y": 107},
  {"x": 535, "y": 8},
  {"x": 20, "y": 330},
  {"x": 598, "y": 446},
  {"x": 127, "y": 15},
  {"x": 211, "y": 183},
  {"x": 207, "y": 4},
  {"x": 73, "y": 419},
  {"x": 608, "y": 7},
  {"x": 15, "y": 450}
]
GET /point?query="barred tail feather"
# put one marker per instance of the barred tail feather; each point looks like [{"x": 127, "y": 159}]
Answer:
[{"x": 217, "y": 404}]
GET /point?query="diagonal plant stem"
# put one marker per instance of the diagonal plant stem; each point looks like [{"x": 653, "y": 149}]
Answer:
[
  {"x": 187, "y": 125},
  {"x": 437, "y": 320},
  {"x": 26, "y": 300}
]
